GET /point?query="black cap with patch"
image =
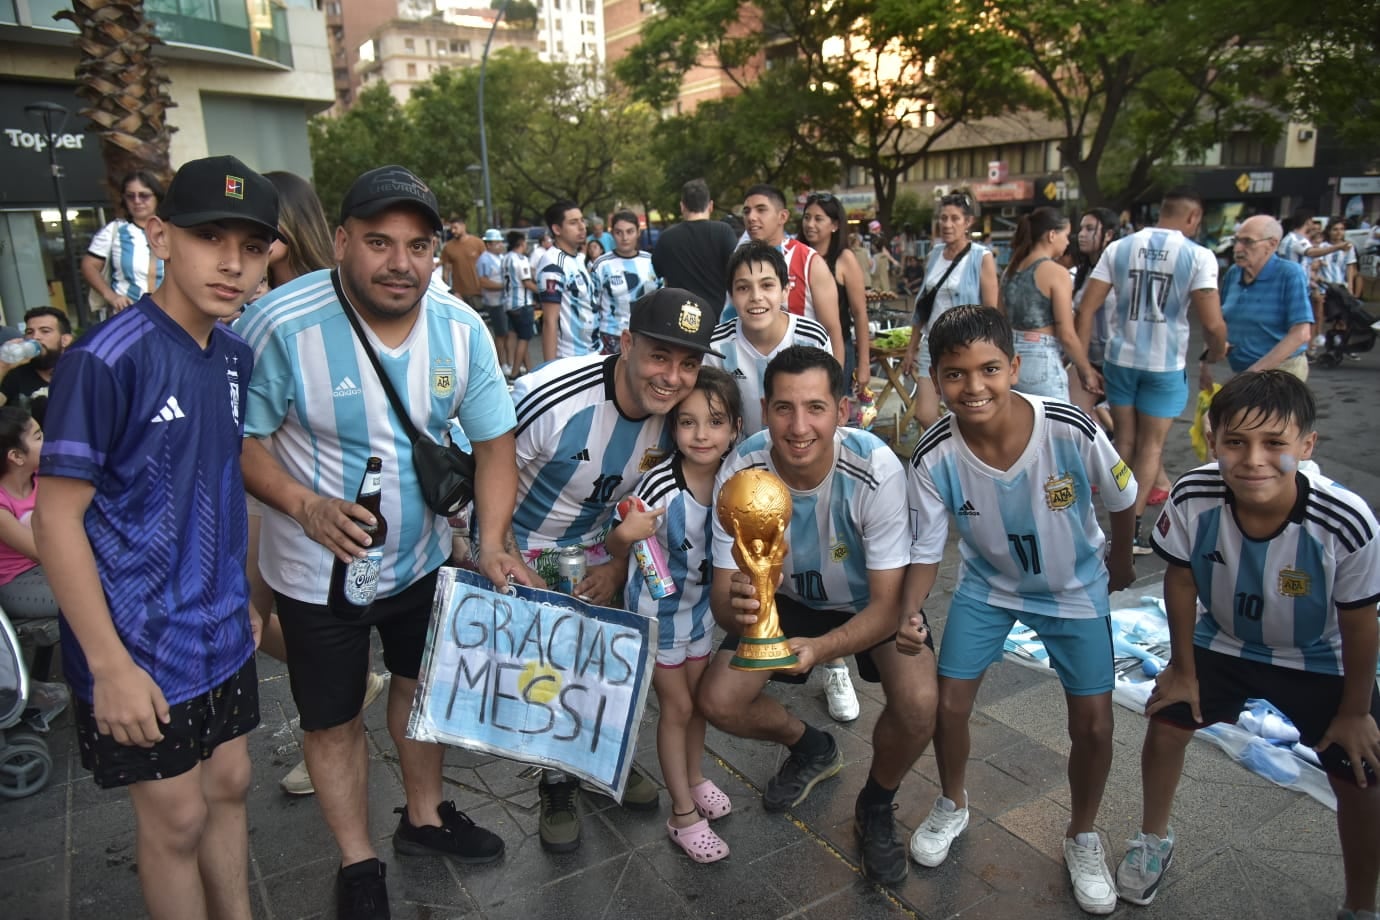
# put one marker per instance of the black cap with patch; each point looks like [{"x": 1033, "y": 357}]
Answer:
[
  {"x": 217, "y": 189},
  {"x": 675, "y": 316},
  {"x": 389, "y": 187}
]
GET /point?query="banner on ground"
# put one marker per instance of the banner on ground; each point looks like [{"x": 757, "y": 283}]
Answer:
[{"x": 534, "y": 676}]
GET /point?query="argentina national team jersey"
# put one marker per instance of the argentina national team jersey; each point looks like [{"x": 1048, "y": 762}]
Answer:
[
  {"x": 748, "y": 366},
  {"x": 852, "y": 522},
  {"x": 1029, "y": 536},
  {"x": 618, "y": 282},
  {"x": 563, "y": 285},
  {"x": 516, "y": 270},
  {"x": 317, "y": 401},
  {"x": 578, "y": 455},
  {"x": 1153, "y": 271},
  {"x": 684, "y": 532},
  {"x": 1276, "y": 600},
  {"x": 126, "y": 248}
]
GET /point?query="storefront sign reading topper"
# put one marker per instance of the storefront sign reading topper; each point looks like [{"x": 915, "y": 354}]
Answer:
[
  {"x": 535, "y": 676},
  {"x": 26, "y": 178}
]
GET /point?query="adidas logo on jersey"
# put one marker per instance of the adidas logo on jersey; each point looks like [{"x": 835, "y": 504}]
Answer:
[
  {"x": 738, "y": 374},
  {"x": 580, "y": 455},
  {"x": 969, "y": 510},
  {"x": 346, "y": 387},
  {"x": 687, "y": 545},
  {"x": 170, "y": 411},
  {"x": 1215, "y": 556}
]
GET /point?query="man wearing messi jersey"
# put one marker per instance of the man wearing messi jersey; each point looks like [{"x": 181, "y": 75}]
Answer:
[
  {"x": 587, "y": 429},
  {"x": 569, "y": 324},
  {"x": 1017, "y": 473},
  {"x": 142, "y": 528},
  {"x": 1158, "y": 273},
  {"x": 620, "y": 276},
  {"x": 845, "y": 559},
  {"x": 316, "y": 413},
  {"x": 1271, "y": 592}
]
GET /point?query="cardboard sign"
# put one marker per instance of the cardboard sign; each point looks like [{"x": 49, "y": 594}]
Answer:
[{"x": 534, "y": 676}]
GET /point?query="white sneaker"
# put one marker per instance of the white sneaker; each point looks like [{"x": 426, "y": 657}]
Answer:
[
  {"x": 298, "y": 780},
  {"x": 1093, "y": 887},
  {"x": 929, "y": 845},
  {"x": 507, "y": 370},
  {"x": 838, "y": 688}
]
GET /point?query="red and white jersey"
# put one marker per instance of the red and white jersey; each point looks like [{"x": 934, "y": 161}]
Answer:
[{"x": 799, "y": 258}]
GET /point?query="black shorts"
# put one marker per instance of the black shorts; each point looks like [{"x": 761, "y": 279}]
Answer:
[
  {"x": 1310, "y": 701},
  {"x": 801, "y": 621},
  {"x": 195, "y": 729},
  {"x": 328, "y": 658},
  {"x": 523, "y": 322}
]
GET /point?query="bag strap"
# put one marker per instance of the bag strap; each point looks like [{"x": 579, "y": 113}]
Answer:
[
  {"x": 950, "y": 270},
  {"x": 412, "y": 434}
]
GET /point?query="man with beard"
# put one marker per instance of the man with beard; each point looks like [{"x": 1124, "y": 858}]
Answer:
[
  {"x": 26, "y": 385},
  {"x": 316, "y": 411}
]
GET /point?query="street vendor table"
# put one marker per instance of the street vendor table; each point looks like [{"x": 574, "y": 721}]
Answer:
[{"x": 889, "y": 359}]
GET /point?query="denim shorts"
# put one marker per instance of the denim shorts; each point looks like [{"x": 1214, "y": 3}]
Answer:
[
  {"x": 1042, "y": 366},
  {"x": 523, "y": 322},
  {"x": 1158, "y": 394}
]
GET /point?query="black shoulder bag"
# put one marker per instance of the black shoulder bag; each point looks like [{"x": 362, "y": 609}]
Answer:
[
  {"x": 445, "y": 473},
  {"x": 924, "y": 301}
]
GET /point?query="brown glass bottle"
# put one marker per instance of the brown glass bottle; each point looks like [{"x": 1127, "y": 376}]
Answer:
[{"x": 354, "y": 583}]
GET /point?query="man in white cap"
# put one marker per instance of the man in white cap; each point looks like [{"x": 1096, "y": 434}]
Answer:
[{"x": 489, "y": 268}]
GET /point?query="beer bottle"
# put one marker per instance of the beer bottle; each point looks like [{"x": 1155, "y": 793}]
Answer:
[{"x": 354, "y": 583}]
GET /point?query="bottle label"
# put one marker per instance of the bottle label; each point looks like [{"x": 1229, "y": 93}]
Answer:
[
  {"x": 372, "y": 485},
  {"x": 362, "y": 578}
]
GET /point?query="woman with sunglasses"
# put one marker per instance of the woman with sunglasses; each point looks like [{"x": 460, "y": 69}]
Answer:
[
  {"x": 961, "y": 271},
  {"x": 824, "y": 228},
  {"x": 123, "y": 245}
]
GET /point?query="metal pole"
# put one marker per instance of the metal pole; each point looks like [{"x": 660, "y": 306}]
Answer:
[
  {"x": 483, "y": 135},
  {"x": 47, "y": 111}
]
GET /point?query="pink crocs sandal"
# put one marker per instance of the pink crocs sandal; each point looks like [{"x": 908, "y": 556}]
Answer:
[
  {"x": 710, "y": 801},
  {"x": 699, "y": 842}
]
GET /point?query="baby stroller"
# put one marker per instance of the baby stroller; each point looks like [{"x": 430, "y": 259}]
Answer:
[
  {"x": 1349, "y": 329},
  {"x": 25, "y": 763}
]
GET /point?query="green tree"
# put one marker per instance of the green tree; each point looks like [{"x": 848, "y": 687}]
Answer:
[{"x": 374, "y": 132}]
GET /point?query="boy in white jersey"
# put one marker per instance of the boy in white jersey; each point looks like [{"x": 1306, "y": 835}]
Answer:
[
  {"x": 1271, "y": 592},
  {"x": 842, "y": 576},
  {"x": 1018, "y": 473}
]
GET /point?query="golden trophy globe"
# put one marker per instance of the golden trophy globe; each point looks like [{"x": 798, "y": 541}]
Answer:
[{"x": 754, "y": 507}]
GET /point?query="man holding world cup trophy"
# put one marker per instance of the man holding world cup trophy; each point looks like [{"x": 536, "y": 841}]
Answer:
[{"x": 809, "y": 558}]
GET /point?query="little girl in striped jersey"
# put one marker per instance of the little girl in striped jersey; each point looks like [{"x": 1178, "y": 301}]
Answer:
[{"x": 678, "y": 495}]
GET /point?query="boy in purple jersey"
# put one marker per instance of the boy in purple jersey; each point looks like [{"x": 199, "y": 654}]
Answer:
[{"x": 143, "y": 529}]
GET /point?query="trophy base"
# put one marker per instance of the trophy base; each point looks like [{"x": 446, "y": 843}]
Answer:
[{"x": 766, "y": 654}]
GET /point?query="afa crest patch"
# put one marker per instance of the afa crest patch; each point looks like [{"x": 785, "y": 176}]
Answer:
[
  {"x": 839, "y": 552},
  {"x": 690, "y": 317},
  {"x": 1294, "y": 583},
  {"x": 651, "y": 458},
  {"x": 1060, "y": 492},
  {"x": 442, "y": 382},
  {"x": 1122, "y": 474}
]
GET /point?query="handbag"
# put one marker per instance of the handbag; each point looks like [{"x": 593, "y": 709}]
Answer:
[
  {"x": 445, "y": 473},
  {"x": 924, "y": 301}
]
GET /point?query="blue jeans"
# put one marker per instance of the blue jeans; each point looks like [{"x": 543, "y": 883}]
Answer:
[{"x": 1042, "y": 366}]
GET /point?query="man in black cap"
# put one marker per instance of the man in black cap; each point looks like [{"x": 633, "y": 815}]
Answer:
[
  {"x": 588, "y": 427},
  {"x": 316, "y": 413},
  {"x": 141, "y": 527}
]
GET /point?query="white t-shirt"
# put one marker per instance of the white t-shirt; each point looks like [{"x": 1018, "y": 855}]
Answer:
[{"x": 748, "y": 366}]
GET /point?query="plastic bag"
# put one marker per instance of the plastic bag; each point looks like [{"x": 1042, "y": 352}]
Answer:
[{"x": 1198, "y": 433}]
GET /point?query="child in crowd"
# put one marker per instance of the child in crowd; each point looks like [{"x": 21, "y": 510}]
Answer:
[
  {"x": 24, "y": 591},
  {"x": 141, "y": 522},
  {"x": 1017, "y": 472},
  {"x": 679, "y": 497},
  {"x": 1271, "y": 592}
]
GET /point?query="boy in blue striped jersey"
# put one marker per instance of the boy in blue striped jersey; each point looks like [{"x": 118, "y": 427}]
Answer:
[
  {"x": 620, "y": 276},
  {"x": 1017, "y": 472},
  {"x": 1271, "y": 592}
]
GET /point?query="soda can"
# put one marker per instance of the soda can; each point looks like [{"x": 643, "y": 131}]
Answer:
[
  {"x": 570, "y": 569},
  {"x": 651, "y": 558}
]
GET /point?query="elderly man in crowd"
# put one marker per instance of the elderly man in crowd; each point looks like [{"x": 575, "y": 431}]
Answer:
[{"x": 1265, "y": 303}]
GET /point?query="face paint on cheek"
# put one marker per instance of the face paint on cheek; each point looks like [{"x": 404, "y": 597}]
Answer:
[{"x": 1288, "y": 463}]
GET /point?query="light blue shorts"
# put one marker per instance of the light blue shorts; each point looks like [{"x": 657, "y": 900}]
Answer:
[
  {"x": 1079, "y": 649},
  {"x": 1042, "y": 366},
  {"x": 1158, "y": 394}
]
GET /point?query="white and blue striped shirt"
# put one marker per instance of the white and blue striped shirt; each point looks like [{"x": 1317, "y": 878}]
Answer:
[
  {"x": 126, "y": 249},
  {"x": 565, "y": 288},
  {"x": 619, "y": 281},
  {"x": 317, "y": 401},
  {"x": 851, "y": 523},
  {"x": 1029, "y": 536},
  {"x": 1275, "y": 600},
  {"x": 516, "y": 270},
  {"x": 1153, "y": 271},
  {"x": 578, "y": 454},
  {"x": 748, "y": 366}
]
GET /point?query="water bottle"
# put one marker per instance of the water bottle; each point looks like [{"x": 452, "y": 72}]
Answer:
[{"x": 19, "y": 351}]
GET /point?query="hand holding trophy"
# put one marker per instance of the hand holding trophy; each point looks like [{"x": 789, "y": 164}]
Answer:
[{"x": 755, "y": 507}]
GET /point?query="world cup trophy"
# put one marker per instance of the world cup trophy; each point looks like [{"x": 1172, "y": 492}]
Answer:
[{"x": 755, "y": 508}]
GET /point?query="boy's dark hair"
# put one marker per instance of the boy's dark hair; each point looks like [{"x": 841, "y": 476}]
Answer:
[
  {"x": 1298, "y": 220},
  {"x": 555, "y": 213},
  {"x": 963, "y": 325},
  {"x": 624, "y": 217},
  {"x": 718, "y": 385},
  {"x": 756, "y": 252},
  {"x": 514, "y": 239},
  {"x": 695, "y": 195},
  {"x": 64, "y": 324},
  {"x": 777, "y": 196},
  {"x": 1261, "y": 396},
  {"x": 798, "y": 359},
  {"x": 14, "y": 421}
]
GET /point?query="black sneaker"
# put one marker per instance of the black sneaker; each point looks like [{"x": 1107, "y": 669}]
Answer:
[
  {"x": 559, "y": 824},
  {"x": 360, "y": 891},
  {"x": 883, "y": 856},
  {"x": 458, "y": 837},
  {"x": 798, "y": 775}
]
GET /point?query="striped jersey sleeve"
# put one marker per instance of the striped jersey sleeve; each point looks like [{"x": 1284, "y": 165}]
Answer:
[
  {"x": 618, "y": 281},
  {"x": 563, "y": 284}
]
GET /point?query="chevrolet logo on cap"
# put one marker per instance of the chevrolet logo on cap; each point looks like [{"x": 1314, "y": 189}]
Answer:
[
  {"x": 234, "y": 187},
  {"x": 689, "y": 317}
]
